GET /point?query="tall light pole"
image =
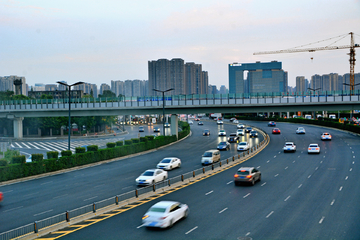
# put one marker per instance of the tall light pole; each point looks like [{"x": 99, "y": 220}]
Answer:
[
  {"x": 163, "y": 96},
  {"x": 69, "y": 87}
]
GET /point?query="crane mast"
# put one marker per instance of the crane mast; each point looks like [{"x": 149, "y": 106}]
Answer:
[{"x": 352, "y": 59}]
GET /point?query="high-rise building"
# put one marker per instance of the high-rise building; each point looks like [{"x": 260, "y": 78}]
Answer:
[
  {"x": 301, "y": 84},
  {"x": 51, "y": 87},
  {"x": 7, "y": 83},
  {"x": 117, "y": 87},
  {"x": 316, "y": 83},
  {"x": 104, "y": 87},
  {"x": 261, "y": 77},
  {"x": 222, "y": 89},
  {"x": 128, "y": 88},
  {"x": 346, "y": 81}
]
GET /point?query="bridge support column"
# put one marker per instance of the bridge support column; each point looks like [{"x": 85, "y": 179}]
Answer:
[
  {"x": 18, "y": 127},
  {"x": 174, "y": 125},
  {"x": 287, "y": 115}
]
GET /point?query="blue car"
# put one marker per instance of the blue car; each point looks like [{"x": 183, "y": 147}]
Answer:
[
  {"x": 223, "y": 146},
  {"x": 272, "y": 124}
]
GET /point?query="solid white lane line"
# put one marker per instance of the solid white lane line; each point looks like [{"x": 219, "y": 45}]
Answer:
[
  {"x": 223, "y": 210},
  {"x": 346, "y": 177},
  {"x": 332, "y": 202},
  {"x": 42, "y": 212},
  {"x": 209, "y": 193},
  {"x": 126, "y": 187},
  {"x": 90, "y": 198},
  {"x": 13, "y": 209},
  {"x": 229, "y": 182},
  {"x": 263, "y": 184},
  {"x": 269, "y": 214},
  {"x": 276, "y": 175},
  {"x": 286, "y": 198},
  {"x": 300, "y": 186},
  {"x": 258, "y": 167},
  {"x": 46, "y": 183},
  {"x": 340, "y": 188},
  {"x": 321, "y": 220},
  {"x": 191, "y": 230},
  {"x": 246, "y": 195},
  {"x": 140, "y": 226}
]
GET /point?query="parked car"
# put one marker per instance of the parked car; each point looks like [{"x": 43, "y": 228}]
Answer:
[
  {"x": 151, "y": 176},
  {"x": 206, "y": 132},
  {"x": 233, "y": 138},
  {"x": 300, "y": 130},
  {"x": 289, "y": 147},
  {"x": 248, "y": 129},
  {"x": 243, "y": 146},
  {"x": 326, "y": 136},
  {"x": 156, "y": 129},
  {"x": 240, "y": 126},
  {"x": 272, "y": 124},
  {"x": 240, "y": 132},
  {"x": 141, "y": 129},
  {"x": 169, "y": 163},
  {"x": 276, "y": 131},
  {"x": 200, "y": 123},
  {"x": 222, "y": 133},
  {"x": 314, "y": 148},
  {"x": 247, "y": 175},
  {"x": 223, "y": 146},
  {"x": 253, "y": 133},
  {"x": 164, "y": 214}
]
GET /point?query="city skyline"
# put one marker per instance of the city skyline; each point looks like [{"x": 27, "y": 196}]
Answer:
[{"x": 96, "y": 42}]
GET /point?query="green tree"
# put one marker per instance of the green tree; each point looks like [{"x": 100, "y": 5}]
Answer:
[
  {"x": 46, "y": 96},
  {"x": 107, "y": 94}
]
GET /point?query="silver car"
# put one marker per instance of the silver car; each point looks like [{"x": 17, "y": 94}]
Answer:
[
  {"x": 247, "y": 175},
  {"x": 289, "y": 147}
]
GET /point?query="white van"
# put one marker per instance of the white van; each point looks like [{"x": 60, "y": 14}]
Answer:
[
  {"x": 332, "y": 116},
  {"x": 307, "y": 116},
  {"x": 210, "y": 157}
]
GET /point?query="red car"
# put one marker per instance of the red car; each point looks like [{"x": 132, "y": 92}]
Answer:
[
  {"x": 276, "y": 131},
  {"x": 1, "y": 196}
]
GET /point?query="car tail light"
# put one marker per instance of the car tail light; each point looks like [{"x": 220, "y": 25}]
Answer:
[
  {"x": 163, "y": 217},
  {"x": 248, "y": 176},
  {"x": 145, "y": 217},
  {"x": 236, "y": 175},
  {"x": 309, "y": 148},
  {"x": 317, "y": 148}
]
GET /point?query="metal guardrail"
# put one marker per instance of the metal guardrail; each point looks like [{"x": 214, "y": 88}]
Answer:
[{"x": 123, "y": 198}]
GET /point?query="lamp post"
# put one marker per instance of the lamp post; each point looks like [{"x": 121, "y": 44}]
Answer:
[
  {"x": 163, "y": 96},
  {"x": 69, "y": 87}
]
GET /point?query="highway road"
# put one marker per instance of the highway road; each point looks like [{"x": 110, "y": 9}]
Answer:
[
  {"x": 37, "y": 199},
  {"x": 300, "y": 196}
]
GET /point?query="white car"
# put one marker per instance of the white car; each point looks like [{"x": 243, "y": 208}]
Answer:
[
  {"x": 222, "y": 133},
  {"x": 151, "y": 176},
  {"x": 164, "y": 214},
  {"x": 240, "y": 132},
  {"x": 326, "y": 136},
  {"x": 29, "y": 159},
  {"x": 219, "y": 122},
  {"x": 169, "y": 163},
  {"x": 289, "y": 147},
  {"x": 236, "y": 121},
  {"x": 240, "y": 126},
  {"x": 190, "y": 122},
  {"x": 314, "y": 148},
  {"x": 300, "y": 130},
  {"x": 243, "y": 146}
]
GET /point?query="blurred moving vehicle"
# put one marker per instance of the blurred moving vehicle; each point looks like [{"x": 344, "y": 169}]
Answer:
[
  {"x": 206, "y": 132},
  {"x": 232, "y": 119},
  {"x": 222, "y": 133},
  {"x": 223, "y": 146},
  {"x": 200, "y": 123},
  {"x": 1, "y": 197},
  {"x": 166, "y": 125},
  {"x": 248, "y": 129},
  {"x": 169, "y": 163},
  {"x": 236, "y": 121},
  {"x": 276, "y": 131},
  {"x": 141, "y": 129},
  {"x": 156, "y": 129},
  {"x": 151, "y": 176},
  {"x": 240, "y": 132},
  {"x": 300, "y": 130},
  {"x": 289, "y": 147},
  {"x": 240, "y": 126},
  {"x": 210, "y": 156},
  {"x": 272, "y": 124},
  {"x": 326, "y": 136},
  {"x": 243, "y": 146},
  {"x": 247, "y": 175},
  {"x": 253, "y": 133},
  {"x": 164, "y": 214},
  {"x": 314, "y": 148},
  {"x": 233, "y": 138},
  {"x": 190, "y": 122},
  {"x": 220, "y": 122}
]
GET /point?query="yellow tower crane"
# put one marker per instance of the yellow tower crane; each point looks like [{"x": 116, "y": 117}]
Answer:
[{"x": 352, "y": 47}]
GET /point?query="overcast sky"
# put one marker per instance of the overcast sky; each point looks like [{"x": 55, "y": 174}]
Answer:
[{"x": 99, "y": 41}]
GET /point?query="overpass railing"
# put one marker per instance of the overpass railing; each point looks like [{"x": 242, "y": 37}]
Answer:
[{"x": 135, "y": 195}]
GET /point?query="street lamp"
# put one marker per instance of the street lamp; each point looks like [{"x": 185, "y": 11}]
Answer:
[
  {"x": 163, "y": 96},
  {"x": 69, "y": 87}
]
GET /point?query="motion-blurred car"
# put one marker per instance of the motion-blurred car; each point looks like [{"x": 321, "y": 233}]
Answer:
[
  {"x": 272, "y": 124},
  {"x": 243, "y": 146},
  {"x": 326, "y": 136},
  {"x": 200, "y": 123},
  {"x": 236, "y": 121},
  {"x": 164, "y": 214},
  {"x": 1, "y": 197},
  {"x": 169, "y": 163},
  {"x": 300, "y": 130},
  {"x": 253, "y": 133},
  {"x": 240, "y": 126},
  {"x": 289, "y": 147},
  {"x": 206, "y": 132},
  {"x": 151, "y": 176},
  {"x": 156, "y": 129},
  {"x": 166, "y": 125},
  {"x": 233, "y": 138},
  {"x": 248, "y": 129},
  {"x": 247, "y": 175},
  {"x": 141, "y": 129},
  {"x": 276, "y": 131},
  {"x": 220, "y": 122},
  {"x": 190, "y": 122},
  {"x": 223, "y": 146},
  {"x": 314, "y": 148},
  {"x": 232, "y": 119},
  {"x": 222, "y": 133},
  {"x": 197, "y": 119},
  {"x": 240, "y": 132}
]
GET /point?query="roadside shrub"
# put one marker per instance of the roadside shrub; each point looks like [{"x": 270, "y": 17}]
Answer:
[
  {"x": 66, "y": 153},
  {"x": 92, "y": 148},
  {"x": 110, "y": 145},
  {"x": 143, "y": 139},
  {"x": 37, "y": 157},
  {"x": 18, "y": 159},
  {"x": 150, "y": 138},
  {"x": 135, "y": 140},
  {"x": 52, "y": 154},
  {"x": 3, "y": 162},
  {"x": 80, "y": 150},
  {"x": 119, "y": 143},
  {"x": 9, "y": 154},
  {"x": 128, "y": 142}
]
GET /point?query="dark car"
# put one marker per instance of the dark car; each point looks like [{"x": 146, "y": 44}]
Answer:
[
  {"x": 247, "y": 175},
  {"x": 156, "y": 129},
  {"x": 248, "y": 129},
  {"x": 223, "y": 146},
  {"x": 233, "y": 138},
  {"x": 200, "y": 123},
  {"x": 206, "y": 132},
  {"x": 141, "y": 129},
  {"x": 253, "y": 134},
  {"x": 272, "y": 124}
]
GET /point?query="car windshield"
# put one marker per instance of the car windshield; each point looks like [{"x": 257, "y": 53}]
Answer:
[
  {"x": 313, "y": 145},
  {"x": 242, "y": 143},
  {"x": 206, "y": 130},
  {"x": 207, "y": 154},
  {"x": 222, "y": 143},
  {"x": 157, "y": 209},
  {"x": 243, "y": 172},
  {"x": 222, "y": 130},
  {"x": 167, "y": 160},
  {"x": 289, "y": 144},
  {"x": 148, "y": 173},
  {"x": 253, "y": 132}
]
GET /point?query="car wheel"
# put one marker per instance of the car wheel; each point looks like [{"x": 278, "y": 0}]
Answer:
[
  {"x": 164, "y": 178},
  {"x": 259, "y": 178},
  {"x": 170, "y": 167},
  {"x": 171, "y": 223},
  {"x": 237, "y": 184},
  {"x": 153, "y": 182},
  {"x": 179, "y": 165},
  {"x": 186, "y": 213},
  {"x": 253, "y": 182}
]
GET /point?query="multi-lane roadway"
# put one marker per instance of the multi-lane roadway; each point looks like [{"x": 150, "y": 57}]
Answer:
[{"x": 300, "y": 196}]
